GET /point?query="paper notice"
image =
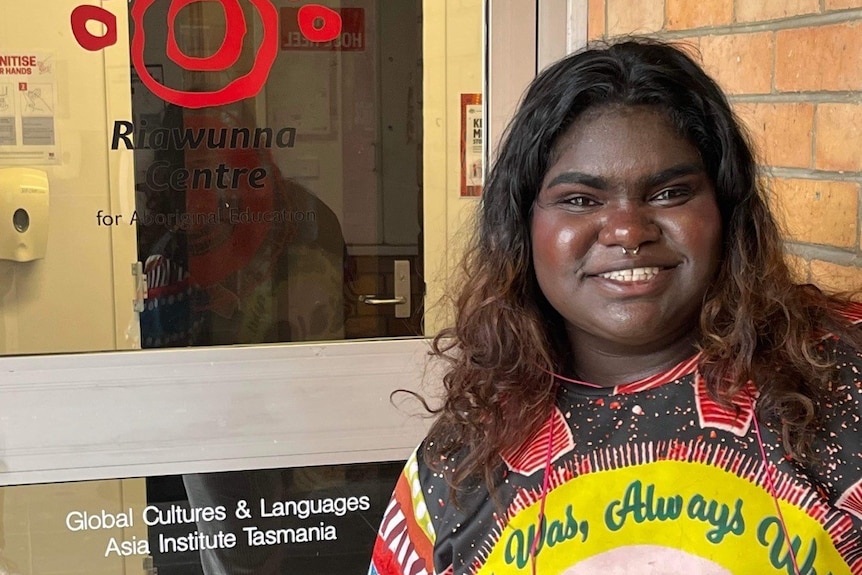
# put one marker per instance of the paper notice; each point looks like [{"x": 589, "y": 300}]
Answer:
[{"x": 28, "y": 102}]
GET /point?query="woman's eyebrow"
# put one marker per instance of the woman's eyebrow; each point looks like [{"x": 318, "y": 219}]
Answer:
[
  {"x": 677, "y": 171},
  {"x": 588, "y": 180},
  {"x": 652, "y": 180}
]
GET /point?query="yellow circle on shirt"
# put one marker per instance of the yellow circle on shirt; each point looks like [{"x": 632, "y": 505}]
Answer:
[{"x": 633, "y": 520}]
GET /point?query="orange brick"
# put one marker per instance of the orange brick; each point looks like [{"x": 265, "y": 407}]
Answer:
[
  {"x": 634, "y": 16},
  {"x": 839, "y": 135},
  {"x": 841, "y": 4},
  {"x": 816, "y": 211},
  {"x": 833, "y": 277},
  {"x": 798, "y": 267},
  {"x": 685, "y": 14},
  {"x": 819, "y": 58},
  {"x": 781, "y": 132},
  {"x": 740, "y": 63},
  {"x": 596, "y": 19},
  {"x": 754, "y": 10}
]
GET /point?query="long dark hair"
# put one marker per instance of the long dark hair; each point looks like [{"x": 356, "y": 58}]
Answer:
[{"x": 507, "y": 339}]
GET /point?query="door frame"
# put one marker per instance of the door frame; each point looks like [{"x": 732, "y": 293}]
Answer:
[
  {"x": 552, "y": 28},
  {"x": 134, "y": 413}
]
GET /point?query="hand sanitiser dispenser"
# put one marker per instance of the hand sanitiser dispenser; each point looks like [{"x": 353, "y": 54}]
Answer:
[{"x": 23, "y": 214}]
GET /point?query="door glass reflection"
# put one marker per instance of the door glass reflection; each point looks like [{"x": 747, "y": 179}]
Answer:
[{"x": 269, "y": 219}]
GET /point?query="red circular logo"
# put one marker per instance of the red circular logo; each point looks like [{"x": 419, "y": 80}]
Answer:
[
  {"x": 319, "y": 23},
  {"x": 81, "y": 15},
  {"x": 243, "y": 87}
]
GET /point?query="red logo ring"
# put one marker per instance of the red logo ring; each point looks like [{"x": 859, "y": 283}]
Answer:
[
  {"x": 243, "y": 87},
  {"x": 230, "y": 49}
]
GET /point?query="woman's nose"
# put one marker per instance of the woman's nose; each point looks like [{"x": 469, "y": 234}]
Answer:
[{"x": 629, "y": 227}]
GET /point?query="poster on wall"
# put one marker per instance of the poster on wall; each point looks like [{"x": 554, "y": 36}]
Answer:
[
  {"x": 471, "y": 145},
  {"x": 28, "y": 103}
]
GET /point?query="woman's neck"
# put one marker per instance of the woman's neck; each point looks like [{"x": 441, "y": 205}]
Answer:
[{"x": 609, "y": 365}]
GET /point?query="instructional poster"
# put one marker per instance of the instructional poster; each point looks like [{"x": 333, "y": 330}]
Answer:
[
  {"x": 28, "y": 103},
  {"x": 472, "y": 149}
]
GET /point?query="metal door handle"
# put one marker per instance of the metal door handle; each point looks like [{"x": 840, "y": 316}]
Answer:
[
  {"x": 374, "y": 300},
  {"x": 401, "y": 299}
]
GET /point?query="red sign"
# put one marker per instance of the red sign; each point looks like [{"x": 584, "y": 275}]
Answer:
[
  {"x": 316, "y": 25},
  {"x": 350, "y": 39}
]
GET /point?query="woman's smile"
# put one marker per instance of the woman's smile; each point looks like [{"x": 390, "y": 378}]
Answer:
[
  {"x": 635, "y": 282},
  {"x": 631, "y": 275}
]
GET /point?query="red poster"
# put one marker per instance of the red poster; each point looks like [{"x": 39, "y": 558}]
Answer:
[{"x": 472, "y": 149}]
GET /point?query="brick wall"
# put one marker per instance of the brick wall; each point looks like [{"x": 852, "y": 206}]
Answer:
[{"x": 793, "y": 71}]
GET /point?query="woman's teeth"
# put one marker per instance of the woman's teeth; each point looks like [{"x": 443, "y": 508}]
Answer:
[{"x": 632, "y": 275}]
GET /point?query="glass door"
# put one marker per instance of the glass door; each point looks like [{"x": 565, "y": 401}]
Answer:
[{"x": 292, "y": 214}]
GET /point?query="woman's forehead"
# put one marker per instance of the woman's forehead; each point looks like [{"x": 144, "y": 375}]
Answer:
[
  {"x": 612, "y": 109},
  {"x": 621, "y": 138}
]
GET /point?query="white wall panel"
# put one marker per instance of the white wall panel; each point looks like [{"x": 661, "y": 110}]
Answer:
[{"x": 95, "y": 416}]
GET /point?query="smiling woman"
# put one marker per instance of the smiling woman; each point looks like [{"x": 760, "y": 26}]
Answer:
[
  {"x": 624, "y": 250},
  {"x": 633, "y": 376}
]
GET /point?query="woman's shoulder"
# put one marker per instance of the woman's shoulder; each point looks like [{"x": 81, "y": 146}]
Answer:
[
  {"x": 426, "y": 473},
  {"x": 851, "y": 311},
  {"x": 843, "y": 353},
  {"x": 423, "y": 509},
  {"x": 842, "y": 413},
  {"x": 845, "y": 346}
]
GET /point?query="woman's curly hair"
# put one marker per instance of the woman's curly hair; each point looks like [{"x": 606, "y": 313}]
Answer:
[{"x": 756, "y": 323}]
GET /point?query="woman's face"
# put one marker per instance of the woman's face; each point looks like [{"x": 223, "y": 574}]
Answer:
[{"x": 622, "y": 177}]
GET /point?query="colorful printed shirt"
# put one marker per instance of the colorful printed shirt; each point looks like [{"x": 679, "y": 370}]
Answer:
[{"x": 646, "y": 478}]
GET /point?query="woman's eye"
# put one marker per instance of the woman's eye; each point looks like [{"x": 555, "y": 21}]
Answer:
[
  {"x": 581, "y": 202},
  {"x": 671, "y": 194}
]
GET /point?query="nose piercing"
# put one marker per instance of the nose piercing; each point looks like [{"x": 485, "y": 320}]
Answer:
[{"x": 633, "y": 252}]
